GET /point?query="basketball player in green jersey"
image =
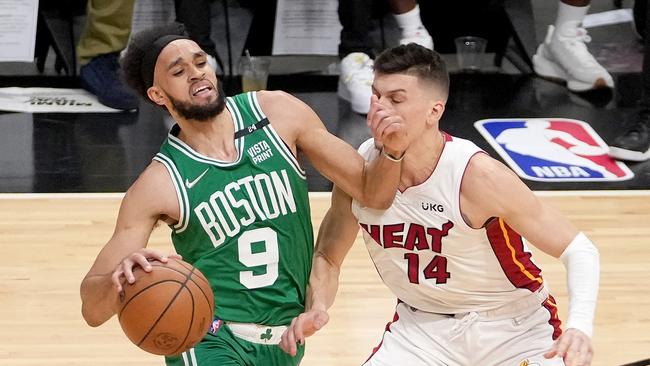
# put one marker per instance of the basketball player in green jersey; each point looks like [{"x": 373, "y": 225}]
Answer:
[{"x": 229, "y": 185}]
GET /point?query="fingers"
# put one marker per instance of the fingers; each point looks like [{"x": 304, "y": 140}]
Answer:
[
  {"x": 141, "y": 258},
  {"x": 301, "y": 327},
  {"x": 574, "y": 347},
  {"x": 563, "y": 344},
  {"x": 285, "y": 344},
  {"x": 572, "y": 352},
  {"x": 291, "y": 338},
  {"x": 298, "y": 328},
  {"x": 116, "y": 278},
  {"x": 375, "y": 122},
  {"x": 579, "y": 352},
  {"x": 374, "y": 103}
]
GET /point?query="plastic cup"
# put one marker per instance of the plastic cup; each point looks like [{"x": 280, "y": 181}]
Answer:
[
  {"x": 254, "y": 73},
  {"x": 469, "y": 52}
]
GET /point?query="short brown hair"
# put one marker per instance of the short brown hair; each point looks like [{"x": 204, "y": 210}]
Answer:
[{"x": 413, "y": 59}]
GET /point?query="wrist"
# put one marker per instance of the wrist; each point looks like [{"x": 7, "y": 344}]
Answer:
[{"x": 392, "y": 155}]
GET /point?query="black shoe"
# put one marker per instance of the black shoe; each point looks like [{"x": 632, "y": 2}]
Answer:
[
  {"x": 634, "y": 144},
  {"x": 101, "y": 77}
]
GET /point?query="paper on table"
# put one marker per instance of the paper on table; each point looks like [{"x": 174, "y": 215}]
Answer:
[
  {"x": 306, "y": 27},
  {"x": 607, "y": 18},
  {"x": 50, "y": 100},
  {"x": 18, "y": 29}
]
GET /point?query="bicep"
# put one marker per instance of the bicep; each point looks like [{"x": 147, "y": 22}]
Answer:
[
  {"x": 334, "y": 158},
  {"x": 541, "y": 225},
  {"x": 131, "y": 233},
  {"x": 497, "y": 192},
  {"x": 150, "y": 198},
  {"x": 338, "y": 229}
]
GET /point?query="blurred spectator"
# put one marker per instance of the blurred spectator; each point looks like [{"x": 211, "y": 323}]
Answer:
[
  {"x": 564, "y": 55},
  {"x": 196, "y": 16},
  {"x": 106, "y": 32},
  {"x": 356, "y": 48},
  {"x": 634, "y": 144}
]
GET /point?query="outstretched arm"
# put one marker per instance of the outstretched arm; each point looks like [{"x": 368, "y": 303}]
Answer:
[
  {"x": 141, "y": 208},
  {"x": 374, "y": 183},
  {"x": 335, "y": 238},
  {"x": 490, "y": 189}
]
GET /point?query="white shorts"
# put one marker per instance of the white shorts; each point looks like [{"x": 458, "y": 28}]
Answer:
[{"x": 516, "y": 334}]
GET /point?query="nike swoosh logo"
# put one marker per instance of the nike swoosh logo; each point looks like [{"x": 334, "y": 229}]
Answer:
[{"x": 191, "y": 184}]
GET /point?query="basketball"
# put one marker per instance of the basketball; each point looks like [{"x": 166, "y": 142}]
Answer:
[{"x": 168, "y": 310}]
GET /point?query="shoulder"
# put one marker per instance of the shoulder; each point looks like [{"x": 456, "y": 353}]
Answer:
[
  {"x": 290, "y": 116},
  {"x": 153, "y": 191},
  {"x": 486, "y": 175},
  {"x": 492, "y": 187},
  {"x": 279, "y": 103}
]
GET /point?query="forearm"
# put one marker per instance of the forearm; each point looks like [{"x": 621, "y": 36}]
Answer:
[
  {"x": 381, "y": 177},
  {"x": 323, "y": 283},
  {"x": 582, "y": 262},
  {"x": 99, "y": 299}
]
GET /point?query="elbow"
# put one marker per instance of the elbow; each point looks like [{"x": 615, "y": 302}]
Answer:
[{"x": 91, "y": 319}]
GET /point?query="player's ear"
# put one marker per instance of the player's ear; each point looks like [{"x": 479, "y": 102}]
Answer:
[
  {"x": 436, "y": 110},
  {"x": 156, "y": 95}
]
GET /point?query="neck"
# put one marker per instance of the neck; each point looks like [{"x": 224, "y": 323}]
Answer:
[
  {"x": 213, "y": 138},
  {"x": 421, "y": 158}
]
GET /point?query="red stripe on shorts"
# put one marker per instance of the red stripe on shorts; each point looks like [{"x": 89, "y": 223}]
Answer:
[
  {"x": 554, "y": 321},
  {"x": 387, "y": 329}
]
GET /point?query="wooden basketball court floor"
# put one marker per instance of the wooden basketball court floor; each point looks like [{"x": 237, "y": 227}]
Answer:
[{"x": 49, "y": 241}]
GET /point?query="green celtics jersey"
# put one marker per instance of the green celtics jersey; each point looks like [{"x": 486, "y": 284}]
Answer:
[{"x": 245, "y": 224}]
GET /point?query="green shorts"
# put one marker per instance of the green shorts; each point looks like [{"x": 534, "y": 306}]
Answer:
[{"x": 223, "y": 348}]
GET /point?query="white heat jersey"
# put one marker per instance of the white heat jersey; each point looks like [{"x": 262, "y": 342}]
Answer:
[{"x": 427, "y": 254}]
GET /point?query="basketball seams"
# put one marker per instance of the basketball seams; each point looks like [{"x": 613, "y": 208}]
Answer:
[
  {"x": 189, "y": 328},
  {"x": 176, "y": 295},
  {"x": 182, "y": 284},
  {"x": 191, "y": 278},
  {"x": 155, "y": 323},
  {"x": 191, "y": 268}
]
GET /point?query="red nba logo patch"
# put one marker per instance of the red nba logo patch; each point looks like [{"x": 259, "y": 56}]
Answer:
[{"x": 552, "y": 150}]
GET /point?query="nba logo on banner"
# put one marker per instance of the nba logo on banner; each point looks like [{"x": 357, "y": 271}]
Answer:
[{"x": 552, "y": 150}]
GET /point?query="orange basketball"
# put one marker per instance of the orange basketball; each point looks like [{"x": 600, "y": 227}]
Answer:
[{"x": 168, "y": 310}]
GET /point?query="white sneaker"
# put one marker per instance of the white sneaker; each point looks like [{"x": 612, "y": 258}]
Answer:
[
  {"x": 564, "y": 55},
  {"x": 419, "y": 36},
  {"x": 355, "y": 81}
]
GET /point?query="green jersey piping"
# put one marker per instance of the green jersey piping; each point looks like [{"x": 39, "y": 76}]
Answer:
[
  {"x": 239, "y": 143},
  {"x": 181, "y": 193}
]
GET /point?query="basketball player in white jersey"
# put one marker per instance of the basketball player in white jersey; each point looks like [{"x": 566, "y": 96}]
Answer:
[{"x": 450, "y": 247}]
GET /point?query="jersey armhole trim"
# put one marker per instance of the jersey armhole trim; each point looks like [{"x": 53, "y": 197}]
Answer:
[
  {"x": 181, "y": 194},
  {"x": 458, "y": 189}
]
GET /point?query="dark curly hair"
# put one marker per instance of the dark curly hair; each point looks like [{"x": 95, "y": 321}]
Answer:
[
  {"x": 413, "y": 59},
  {"x": 131, "y": 61}
]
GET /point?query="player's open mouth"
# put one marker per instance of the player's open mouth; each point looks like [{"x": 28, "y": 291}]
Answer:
[{"x": 203, "y": 89}]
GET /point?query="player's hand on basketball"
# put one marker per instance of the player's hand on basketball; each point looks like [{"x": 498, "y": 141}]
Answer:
[
  {"x": 387, "y": 127},
  {"x": 574, "y": 347},
  {"x": 302, "y": 326},
  {"x": 141, "y": 258}
]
